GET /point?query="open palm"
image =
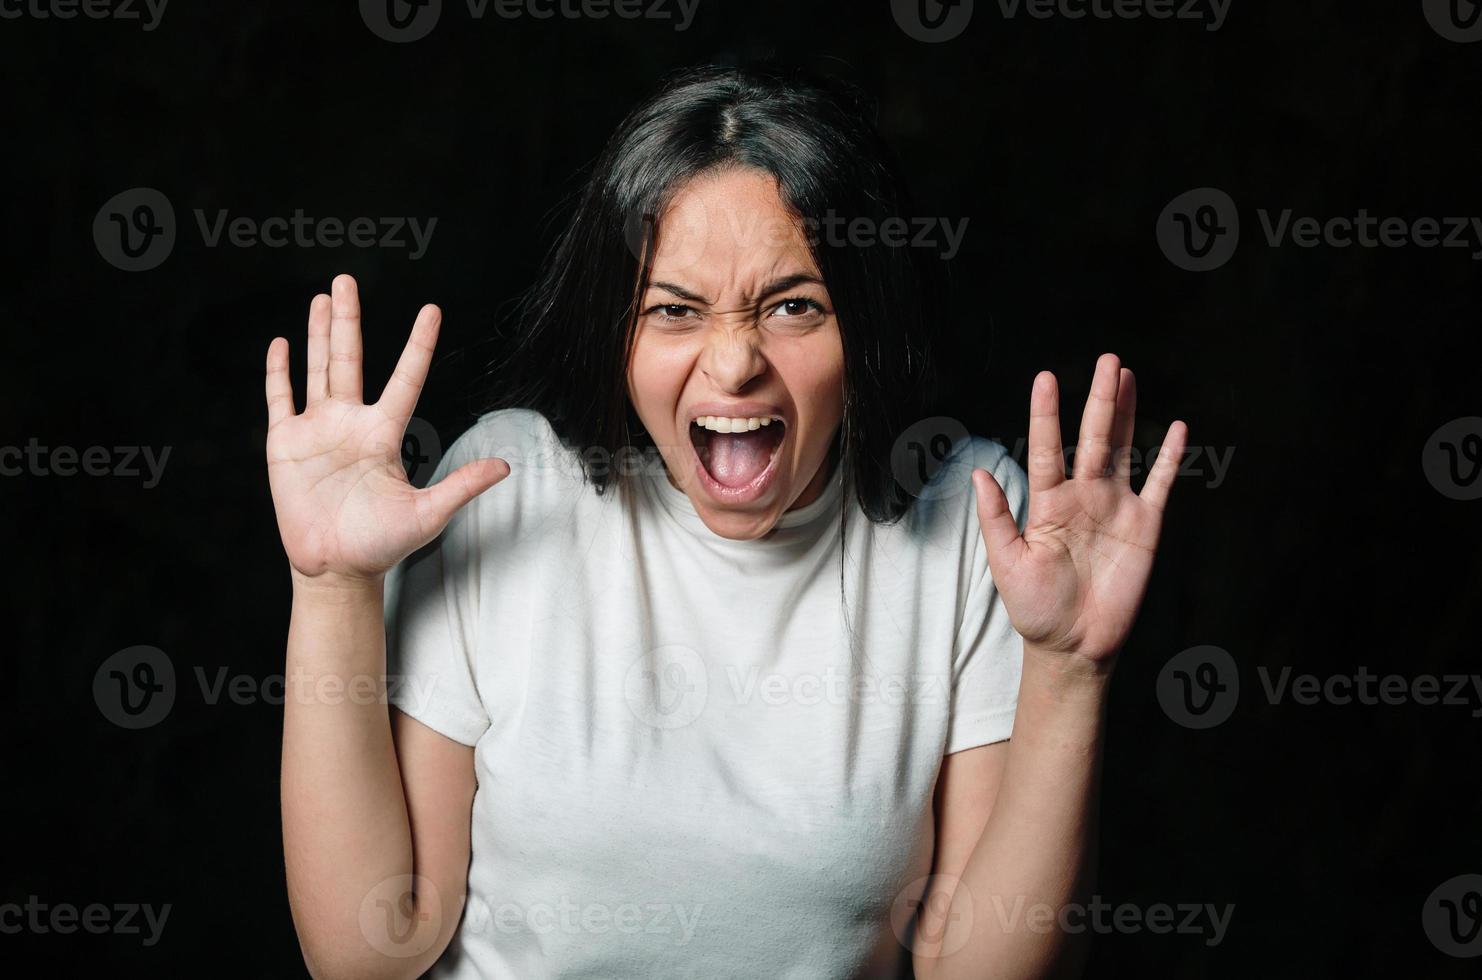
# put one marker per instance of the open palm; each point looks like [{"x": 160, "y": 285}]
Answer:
[
  {"x": 1073, "y": 580},
  {"x": 342, "y": 497}
]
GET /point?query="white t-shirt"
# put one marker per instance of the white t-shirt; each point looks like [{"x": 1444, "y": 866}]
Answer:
[{"x": 682, "y": 772}]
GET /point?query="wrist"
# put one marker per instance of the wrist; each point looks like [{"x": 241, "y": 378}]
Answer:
[
  {"x": 337, "y": 587},
  {"x": 1072, "y": 676}
]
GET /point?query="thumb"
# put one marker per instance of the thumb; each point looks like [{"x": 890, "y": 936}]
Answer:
[
  {"x": 1001, "y": 535},
  {"x": 447, "y": 496}
]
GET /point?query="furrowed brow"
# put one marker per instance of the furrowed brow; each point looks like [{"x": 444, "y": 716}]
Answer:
[
  {"x": 787, "y": 282},
  {"x": 679, "y": 291}
]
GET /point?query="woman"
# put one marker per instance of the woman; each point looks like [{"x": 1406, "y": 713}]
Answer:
[{"x": 700, "y": 689}]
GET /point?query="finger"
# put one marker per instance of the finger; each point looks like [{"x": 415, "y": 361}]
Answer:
[
  {"x": 1093, "y": 449},
  {"x": 279, "y": 384},
  {"x": 344, "y": 339},
  {"x": 444, "y": 498},
  {"x": 1124, "y": 427},
  {"x": 400, "y": 395},
  {"x": 317, "y": 354},
  {"x": 1001, "y": 535},
  {"x": 1046, "y": 457},
  {"x": 1160, "y": 480}
]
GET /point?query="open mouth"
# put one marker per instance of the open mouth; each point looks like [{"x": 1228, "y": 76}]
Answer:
[{"x": 737, "y": 456}]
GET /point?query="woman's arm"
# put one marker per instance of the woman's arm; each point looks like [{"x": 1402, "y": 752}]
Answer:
[
  {"x": 1016, "y": 838},
  {"x": 375, "y": 828},
  {"x": 1017, "y": 820},
  {"x": 361, "y": 809}
]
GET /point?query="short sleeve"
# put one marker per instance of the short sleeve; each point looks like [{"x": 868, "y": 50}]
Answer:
[
  {"x": 988, "y": 656},
  {"x": 431, "y": 623}
]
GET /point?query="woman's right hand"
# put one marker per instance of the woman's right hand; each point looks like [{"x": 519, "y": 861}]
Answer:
[{"x": 346, "y": 510}]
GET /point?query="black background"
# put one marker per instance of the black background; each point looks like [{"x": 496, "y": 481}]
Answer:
[{"x": 1324, "y": 369}]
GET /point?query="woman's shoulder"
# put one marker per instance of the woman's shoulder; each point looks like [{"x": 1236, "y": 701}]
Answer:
[
  {"x": 953, "y": 475},
  {"x": 545, "y": 480},
  {"x": 945, "y": 507},
  {"x": 512, "y": 434}
]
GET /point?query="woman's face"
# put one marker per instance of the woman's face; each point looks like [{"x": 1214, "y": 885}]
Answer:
[{"x": 735, "y": 327}]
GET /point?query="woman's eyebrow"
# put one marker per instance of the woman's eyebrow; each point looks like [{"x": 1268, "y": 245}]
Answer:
[
  {"x": 786, "y": 283},
  {"x": 770, "y": 289},
  {"x": 679, "y": 291}
]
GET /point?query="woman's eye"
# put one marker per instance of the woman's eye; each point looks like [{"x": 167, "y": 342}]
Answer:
[
  {"x": 671, "y": 311},
  {"x": 797, "y": 308}
]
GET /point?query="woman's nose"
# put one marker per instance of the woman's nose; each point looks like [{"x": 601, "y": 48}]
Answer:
[{"x": 733, "y": 355}]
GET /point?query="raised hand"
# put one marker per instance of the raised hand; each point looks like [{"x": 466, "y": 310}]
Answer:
[
  {"x": 345, "y": 507},
  {"x": 1072, "y": 582}
]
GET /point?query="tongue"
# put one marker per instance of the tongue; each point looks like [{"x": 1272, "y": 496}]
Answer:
[{"x": 734, "y": 459}]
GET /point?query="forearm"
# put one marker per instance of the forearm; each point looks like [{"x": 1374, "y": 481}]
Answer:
[
  {"x": 1036, "y": 854},
  {"x": 345, "y": 824}
]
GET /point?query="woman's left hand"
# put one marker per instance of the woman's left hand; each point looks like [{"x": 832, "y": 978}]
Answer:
[{"x": 1072, "y": 582}]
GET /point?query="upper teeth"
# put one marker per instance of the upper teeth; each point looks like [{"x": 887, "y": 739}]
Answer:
[{"x": 721, "y": 423}]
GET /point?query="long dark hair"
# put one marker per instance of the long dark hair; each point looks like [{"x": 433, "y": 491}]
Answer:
[{"x": 573, "y": 334}]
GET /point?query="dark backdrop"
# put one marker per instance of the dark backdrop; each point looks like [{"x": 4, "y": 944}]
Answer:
[{"x": 1320, "y": 373}]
